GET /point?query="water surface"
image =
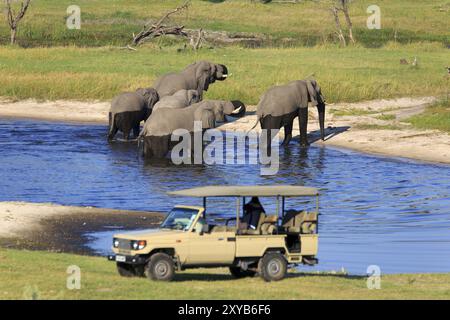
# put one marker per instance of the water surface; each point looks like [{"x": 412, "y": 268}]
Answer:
[{"x": 374, "y": 211}]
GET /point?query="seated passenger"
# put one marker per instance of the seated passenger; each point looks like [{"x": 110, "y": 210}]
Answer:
[{"x": 252, "y": 213}]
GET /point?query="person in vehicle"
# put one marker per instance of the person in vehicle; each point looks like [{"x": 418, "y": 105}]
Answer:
[{"x": 252, "y": 213}]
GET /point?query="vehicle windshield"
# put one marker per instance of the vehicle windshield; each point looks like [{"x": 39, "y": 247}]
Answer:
[{"x": 179, "y": 219}]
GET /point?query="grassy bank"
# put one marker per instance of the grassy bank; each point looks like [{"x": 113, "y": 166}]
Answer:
[
  {"x": 305, "y": 23},
  {"x": 350, "y": 74},
  {"x": 434, "y": 117},
  {"x": 42, "y": 275}
]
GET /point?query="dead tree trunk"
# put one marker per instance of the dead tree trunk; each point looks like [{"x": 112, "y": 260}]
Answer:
[
  {"x": 14, "y": 19},
  {"x": 344, "y": 4},
  {"x": 153, "y": 30},
  {"x": 339, "y": 32}
]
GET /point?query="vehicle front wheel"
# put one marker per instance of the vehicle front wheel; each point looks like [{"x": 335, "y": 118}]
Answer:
[
  {"x": 237, "y": 272},
  {"x": 273, "y": 266},
  {"x": 160, "y": 267}
]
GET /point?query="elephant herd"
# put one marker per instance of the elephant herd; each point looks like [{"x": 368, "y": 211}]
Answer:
[{"x": 176, "y": 102}]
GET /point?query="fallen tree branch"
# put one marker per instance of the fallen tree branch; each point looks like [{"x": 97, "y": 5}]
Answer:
[{"x": 153, "y": 30}]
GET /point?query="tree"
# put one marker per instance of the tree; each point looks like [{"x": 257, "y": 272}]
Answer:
[
  {"x": 337, "y": 6},
  {"x": 13, "y": 18}
]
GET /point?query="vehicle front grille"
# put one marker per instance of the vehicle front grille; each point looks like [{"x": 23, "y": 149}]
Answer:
[{"x": 124, "y": 244}]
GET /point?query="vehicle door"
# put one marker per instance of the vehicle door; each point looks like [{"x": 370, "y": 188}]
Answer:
[{"x": 207, "y": 247}]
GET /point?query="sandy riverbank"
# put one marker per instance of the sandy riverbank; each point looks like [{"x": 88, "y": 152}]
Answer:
[
  {"x": 397, "y": 139},
  {"x": 54, "y": 227}
]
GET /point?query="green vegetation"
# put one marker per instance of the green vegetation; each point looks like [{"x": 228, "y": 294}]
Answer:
[
  {"x": 370, "y": 126},
  {"x": 22, "y": 276},
  {"x": 351, "y": 112},
  {"x": 436, "y": 117},
  {"x": 307, "y": 23},
  {"x": 345, "y": 74}
]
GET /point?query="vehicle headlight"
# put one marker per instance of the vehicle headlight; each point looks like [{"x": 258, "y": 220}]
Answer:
[
  {"x": 115, "y": 243},
  {"x": 138, "y": 244}
]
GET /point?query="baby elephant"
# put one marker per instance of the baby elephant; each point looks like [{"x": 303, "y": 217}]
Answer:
[
  {"x": 180, "y": 99},
  {"x": 128, "y": 109}
]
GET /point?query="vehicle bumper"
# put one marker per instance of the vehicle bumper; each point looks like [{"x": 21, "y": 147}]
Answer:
[{"x": 127, "y": 259}]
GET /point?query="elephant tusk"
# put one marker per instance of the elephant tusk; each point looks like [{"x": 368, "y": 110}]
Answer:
[{"x": 237, "y": 110}]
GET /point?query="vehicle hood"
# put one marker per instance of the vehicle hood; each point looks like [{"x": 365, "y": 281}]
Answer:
[{"x": 149, "y": 234}]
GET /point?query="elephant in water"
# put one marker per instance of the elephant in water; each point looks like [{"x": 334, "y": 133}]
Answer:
[
  {"x": 280, "y": 105},
  {"x": 197, "y": 76},
  {"x": 156, "y": 134},
  {"x": 180, "y": 99},
  {"x": 128, "y": 109}
]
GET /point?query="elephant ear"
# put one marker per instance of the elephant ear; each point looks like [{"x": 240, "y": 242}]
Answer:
[
  {"x": 203, "y": 75},
  {"x": 192, "y": 96},
  {"x": 206, "y": 116},
  {"x": 151, "y": 97},
  {"x": 312, "y": 93}
]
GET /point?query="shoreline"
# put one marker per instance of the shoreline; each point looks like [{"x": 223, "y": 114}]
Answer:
[
  {"x": 59, "y": 228},
  {"x": 345, "y": 131}
]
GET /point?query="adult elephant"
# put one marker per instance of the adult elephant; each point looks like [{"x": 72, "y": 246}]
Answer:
[
  {"x": 280, "y": 105},
  {"x": 197, "y": 76},
  {"x": 156, "y": 134},
  {"x": 180, "y": 99},
  {"x": 128, "y": 109}
]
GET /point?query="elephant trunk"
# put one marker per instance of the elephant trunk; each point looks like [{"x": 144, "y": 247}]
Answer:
[{"x": 321, "y": 110}]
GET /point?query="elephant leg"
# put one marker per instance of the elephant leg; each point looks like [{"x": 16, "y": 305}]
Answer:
[
  {"x": 156, "y": 147},
  {"x": 303, "y": 126},
  {"x": 269, "y": 123},
  {"x": 136, "y": 130},
  {"x": 126, "y": 132},
  {"x": 287, "y": 134},
  {"x": 112, "y": 127},
  {"x": 112, "y": 132}
]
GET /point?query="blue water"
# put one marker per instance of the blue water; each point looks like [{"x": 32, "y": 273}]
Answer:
[{"x": 374, "y": 211}]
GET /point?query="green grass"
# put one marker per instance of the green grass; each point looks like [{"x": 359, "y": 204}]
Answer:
[
  {"x": 349, "y": 74},
  {"x": 351, "y": 112},
  {"x": 434, "y": 117},
  {"x": 369, "y": 126},
  {"x": 308, "y": 23},
  {"x": 22, "y": 277}
]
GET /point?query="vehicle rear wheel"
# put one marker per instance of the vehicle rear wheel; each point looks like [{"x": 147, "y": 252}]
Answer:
[
  {"x": 125, "y": 270},
  {"x": 273, "y": 266},
  {"x": 237, "y": 272},
  {"x": 160, "y": 267}
]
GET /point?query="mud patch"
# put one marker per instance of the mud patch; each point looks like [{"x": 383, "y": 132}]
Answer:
[{"x": 69, "y": 232}]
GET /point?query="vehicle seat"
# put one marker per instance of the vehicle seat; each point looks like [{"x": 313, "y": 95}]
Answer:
[
  {"x": 268, "y": 226},
  {"x": 299, "y": 222},
  {"x": 262, "y": 217}
]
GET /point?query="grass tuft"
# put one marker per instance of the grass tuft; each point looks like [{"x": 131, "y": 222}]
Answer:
[{"x": 436, "y": 117}]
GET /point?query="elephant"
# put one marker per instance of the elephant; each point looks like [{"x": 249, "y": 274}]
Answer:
[
  {"x": 280, "y": 105},
  {"x": 180, "y": 99},
  {"x": 155, "y": 137},
  {"x": 197, "y": 76},
  {"x": 128, "y": 109}
]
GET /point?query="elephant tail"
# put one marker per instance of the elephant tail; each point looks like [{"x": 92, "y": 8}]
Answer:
[{"x": 111, "y": 126}]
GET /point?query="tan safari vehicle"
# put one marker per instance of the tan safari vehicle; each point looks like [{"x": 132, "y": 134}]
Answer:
[{"x": 186, "y": 239}]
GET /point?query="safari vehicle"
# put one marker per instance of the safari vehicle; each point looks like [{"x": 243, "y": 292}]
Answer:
[{"x": 186, "y": 239}]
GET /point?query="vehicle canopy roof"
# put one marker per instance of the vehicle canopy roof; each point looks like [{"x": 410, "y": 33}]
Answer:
[{"x": 247, "y": 191}]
